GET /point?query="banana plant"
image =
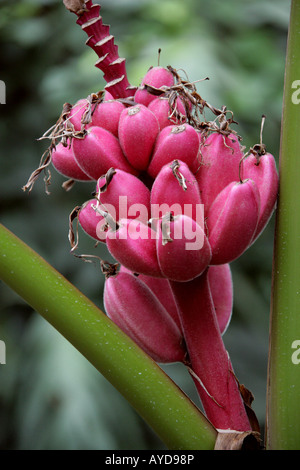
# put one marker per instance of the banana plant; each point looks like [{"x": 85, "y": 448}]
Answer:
[{"x": 168, "y": 297}]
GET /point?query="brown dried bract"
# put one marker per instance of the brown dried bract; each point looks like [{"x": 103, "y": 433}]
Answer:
[
  {"x": 43, "y": 166},
  {"x": 179, "y": 176},
  {"x": 234, "y": 440},
  {"x": 109, "y": 269},
  {"x": 75, "y": 6},
  {"x": 248, "y": 398},
  {"x": 72, "y": 238},
  {"x": 108, "y": 177},
  {"x": 165, "y": 228}
]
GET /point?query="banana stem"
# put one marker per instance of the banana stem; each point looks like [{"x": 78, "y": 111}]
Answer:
[
  {"x": 170, "y": 413},
  {"x": 283, "y": 424},
  {"x": 210, "y": 365}
]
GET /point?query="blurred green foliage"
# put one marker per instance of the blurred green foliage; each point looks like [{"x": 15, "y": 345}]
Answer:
[{"x": 50, "y": 397}]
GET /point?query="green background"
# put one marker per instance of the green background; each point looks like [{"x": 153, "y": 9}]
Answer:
[{"x": 50, "y": 397}]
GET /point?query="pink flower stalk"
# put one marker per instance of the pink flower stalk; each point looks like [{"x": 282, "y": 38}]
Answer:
[
  {"x": 211, "y": 367},
  {"x": 102, "y": 42},
  {"x": 194, "y": 203}
]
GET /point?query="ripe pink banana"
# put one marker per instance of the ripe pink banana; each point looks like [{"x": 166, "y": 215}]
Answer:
[
  {"x": 175, "y": 190},
  {"x": 175, "y": 143},
  {"x": 160, "y": 107},
  {"x": 123, "y": 195},
  {"x": 91, "y": 221},
  {"x": 136, "y": 310},
  {"x": 107, "y": 115},
  {"x": 133, "y": 244},
  {"x": 156, "y": 77},
  {"x": 64, "y": 162},
  {"x": 218, "y": 166},
  {"x": 98, "y": 151},
  {"x": 182, "y": 248},
  {"x": 262, "y": 170},
  {"x": 232, "y": 221},
  {"x": 138, "y": 129},
  {"x": 162, "y": 290},
  {"x": 221, "y": 288}
]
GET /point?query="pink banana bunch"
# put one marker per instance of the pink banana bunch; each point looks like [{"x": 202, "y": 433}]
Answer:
[{"x": 175, "y": 200}]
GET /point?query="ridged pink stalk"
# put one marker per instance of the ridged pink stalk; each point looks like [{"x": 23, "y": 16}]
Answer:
[
  {"x": 102, "y": 42},
  {"x": 211, "y": 367}
]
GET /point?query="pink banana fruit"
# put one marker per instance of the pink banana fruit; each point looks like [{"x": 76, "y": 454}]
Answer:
[
  {"x": 107, "y": 115},
  {"x": 162, "y": 290},
  {"x": 64, "y": 162},
  {"x": 157, "y": 77},
  {"x": 133, "y": 244},
  {"x": 98, "y": 151},
  {"x": 218, "y": 166},
  {"x": 123, "y": 195},
  {"x": 175, "y": 143},
  {"x": 183, "y": 250},
  {"x": 91, "y": 221},
  {"x": 138, "y": 129},
  {"x": 221, "y": 288},
  {"x": 220, "y": 283},
  {"x": 160, "y": 107},
  {"x": 175, "y": 190},
  {"x": 232, "y": 221},
  {"x": 136, "y": 310},
  {"x": 262, "y": 170}
]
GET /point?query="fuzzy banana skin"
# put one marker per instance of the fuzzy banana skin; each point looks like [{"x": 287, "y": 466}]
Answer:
[
  {"x": 175, "y": 143},
  {"x": 263, "y": 171},
  {"x": 221, "y": 287},
  {"x": 232, "y": 221},
  {"x": 131, "y": 304},
  {"x": 124, "y": 196},
  {"x": 134, "y": 246},
  {"x": 185, "y": 253},
  {"x": 138, "y": 129},
  {"x": 175, "y": 189},
  {"x": 98, "y": 151},
  {"x": 219, "y": 166}
]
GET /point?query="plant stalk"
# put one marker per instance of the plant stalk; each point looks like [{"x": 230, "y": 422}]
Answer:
[
  {"x": 175, "y": 419},
  {"x": 283, "y": 391},
  {"x": 212, "y": 371}
]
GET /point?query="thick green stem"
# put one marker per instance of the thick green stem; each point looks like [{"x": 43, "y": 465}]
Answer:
[
  {"x": 283, "y": 423},
  {"x": 141, "y": 381}
]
